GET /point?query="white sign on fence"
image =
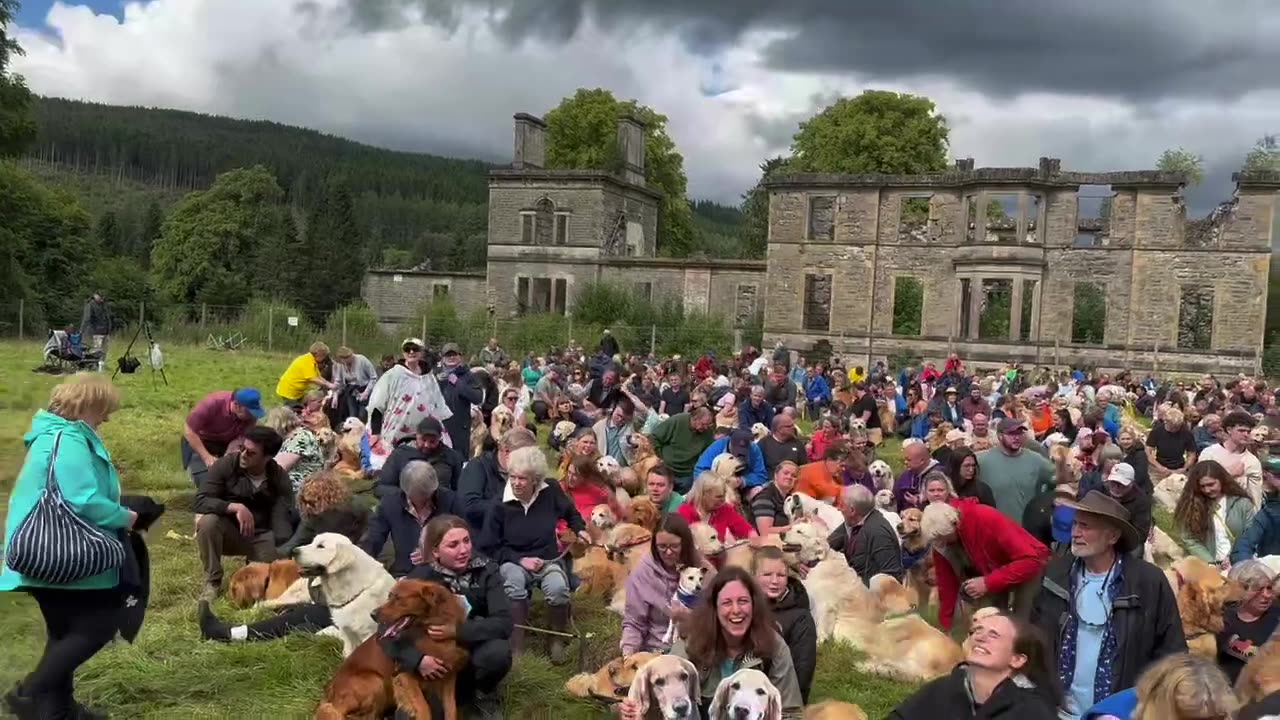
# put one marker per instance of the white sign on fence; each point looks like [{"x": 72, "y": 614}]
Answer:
[{"x": 293, "y": 321}]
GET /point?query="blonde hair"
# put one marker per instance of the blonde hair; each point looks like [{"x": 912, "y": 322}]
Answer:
[
  {"x": 283, "y": 420},
  {"x": 84, "y": 395},
  {"x": 706, "y": 484},
  {"x": 1173, "y": 418},
  {"x": 318, "y": 347},
  {"x": 344, "y": 352},
  {"x": 1183, "y": 687},
  {"x": 313, "y": 396},
  {"x": 937, "y": 520},
  {"x": 1261, "y": 675}
]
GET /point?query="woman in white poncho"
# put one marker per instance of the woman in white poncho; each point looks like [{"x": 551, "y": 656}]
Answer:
[{"x": 404, "y": 396}]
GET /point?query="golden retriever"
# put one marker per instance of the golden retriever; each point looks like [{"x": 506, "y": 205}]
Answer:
[
  {"x": 746, "y": 695},
  {"x": 258, "y": 581},
  {"x": 612, "y": 681},
  {"x": 602, "y": 520},
  {"x": 918, "y": 577},
  {"x": 643, "y": 458},
  {"x": 834, "y": 710},
  {"x": 666, "y": 687},
  {"x": 645, "y": 513},
  {"x": 1261, "y": 675},
  {"x": 1201, "y": 593},
  {"x": 369, "y": 684}
]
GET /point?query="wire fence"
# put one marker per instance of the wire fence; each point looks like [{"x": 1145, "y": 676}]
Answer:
[{"x": 278, "y": 327}]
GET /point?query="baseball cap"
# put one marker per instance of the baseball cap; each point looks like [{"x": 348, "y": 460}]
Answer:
[
  {"x": 412, "y": 341},
  {"x": 951, "y": 390},
  {"x": 430, "y": 426},
  {"x": 1008, "y": 425},
  {"x": 450, "y": 348},
  {"x": 249, "y": 399},
  {"x": 1122, "y": 473},
  {"x": 1272, "y": 464},
  {"x": 740, "y": 444}
]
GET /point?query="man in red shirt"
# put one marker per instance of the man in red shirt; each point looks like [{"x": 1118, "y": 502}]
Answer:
[{"x": 215, "y": 427}]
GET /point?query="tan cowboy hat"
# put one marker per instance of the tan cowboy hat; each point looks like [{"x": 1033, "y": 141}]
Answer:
[{"x": 1102, "y": 505}]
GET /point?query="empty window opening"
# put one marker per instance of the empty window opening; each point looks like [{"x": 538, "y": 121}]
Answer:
[
  {"x": 1001, "y": 218},
  {"x": 993, "y": 315},
  {"x": 822, "y": 218},
  {"x": 914, "y": 220},
  {"x": 1088, "y": 314},
  {"x": 1028, "y": 306},
  {"x": 562, "y": 228},
  {"x": 439, "y": 291},
  {"x": 966, "y": 296},
  {"x": 817, "y": 302},
  {"x": 971, "y": 218},
  {"x": 1033, "y": 218},
  {"x": 1093, "y": 215},
  {"x": 528, "y": 221},
  {"x": 908, "y": 306},
  {"x": 545, "y": 224},
  {"x": 643, "y": 291},
  {"x": 1195, "y": 318}
]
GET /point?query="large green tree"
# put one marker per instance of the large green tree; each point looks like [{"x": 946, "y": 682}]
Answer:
[
  {"x": 1182, "y": 160},
  {"x": 17, "y": 126},
  {"x": 219, "y": 244},
  {"x": 582, "y": 133},
  {"x": 876, "y": 132},
  {"x": 328, "y": 270},
  {"x": 1265, "y": 155}
]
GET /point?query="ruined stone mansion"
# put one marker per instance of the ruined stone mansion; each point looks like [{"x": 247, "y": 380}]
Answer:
[{"x": 1040, "y": 265}]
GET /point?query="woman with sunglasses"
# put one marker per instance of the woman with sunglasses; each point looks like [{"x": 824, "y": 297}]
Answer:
[{"x": 404, "y": 396}]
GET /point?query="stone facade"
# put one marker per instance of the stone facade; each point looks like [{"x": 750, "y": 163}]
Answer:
[{"x": 1179, "y": 295}]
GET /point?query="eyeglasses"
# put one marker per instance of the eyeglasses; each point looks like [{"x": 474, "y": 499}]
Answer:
[{"x": 669, "y": 548}]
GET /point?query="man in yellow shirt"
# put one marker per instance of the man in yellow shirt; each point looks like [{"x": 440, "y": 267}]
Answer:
[{"x": 303, "y": 373}]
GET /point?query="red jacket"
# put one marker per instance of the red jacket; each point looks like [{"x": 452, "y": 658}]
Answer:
[
  {"x": 704, "y": 368},
  {"x": 999, "y": 548}
]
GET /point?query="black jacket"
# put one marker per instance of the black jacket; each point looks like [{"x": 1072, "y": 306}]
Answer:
[
  {"x": 875, "y": 548},
  {"x": 949, "y": 697},
  {"x": 227, "y": 483},
  {"x": 95, "y": 320},
  {"x": 1266, "y": 707},
  {"x": 1037, "y": 519},
  {"x": 511, "y": 532},
  {"x": 460, "y": 396},
  {"x": 446, "y": 461},
  {"x": 489, "y": 619},
  {"x": 393, "y": 520},
  {"x": 349, "y": 520},
  {"x": 481, "y": 485},
  {"x": 977, "y": 489},
  {"x": 1137, "y": 459},
  {"x": 795, "y": 624},
  {"x": 1138, "y": 503},
  {"x": 1145, "y": 614}
]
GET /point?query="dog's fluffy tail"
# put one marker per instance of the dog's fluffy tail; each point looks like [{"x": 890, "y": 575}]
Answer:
[
  {"x": 327, "y": 711},
  {"x": 579, "y": 685}
]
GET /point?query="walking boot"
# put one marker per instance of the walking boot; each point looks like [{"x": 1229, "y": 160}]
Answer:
[
  {"x": 558, "y": 616},
  {"x": 519, "y": 616}
]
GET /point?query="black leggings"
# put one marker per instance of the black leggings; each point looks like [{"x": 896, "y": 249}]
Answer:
[
  {"x": 309, "y": 618},
  {"x": 78, "y": 624}
]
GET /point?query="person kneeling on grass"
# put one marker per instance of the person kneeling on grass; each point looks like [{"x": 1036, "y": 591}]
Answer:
[{"x": 478, "y": 584}]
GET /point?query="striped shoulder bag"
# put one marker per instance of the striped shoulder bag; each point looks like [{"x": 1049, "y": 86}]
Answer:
[{"x": 54, "y": 545}]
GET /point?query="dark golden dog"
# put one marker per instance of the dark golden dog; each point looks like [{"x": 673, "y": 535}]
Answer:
[
  {"x": 262, "y": 581},
  {"x": 368, "y": 683},
  {"x": 611, "y": 681}
]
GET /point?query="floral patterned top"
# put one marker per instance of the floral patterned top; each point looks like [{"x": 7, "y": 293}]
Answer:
[{"x": 303, "y": 443}]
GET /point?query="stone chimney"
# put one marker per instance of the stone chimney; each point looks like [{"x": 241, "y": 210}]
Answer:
[
  {"x": 1050, "y": 166},
  {"x": 964, "y": 164},
  {"x": 631, "y": 149},
  {"x": 531, "y": 143}
]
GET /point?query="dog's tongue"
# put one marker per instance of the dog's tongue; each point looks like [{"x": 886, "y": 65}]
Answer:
[{"x": 395, "y": 628}]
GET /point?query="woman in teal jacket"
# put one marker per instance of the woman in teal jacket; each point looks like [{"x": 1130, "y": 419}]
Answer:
[{"x": 83, "y": 616}]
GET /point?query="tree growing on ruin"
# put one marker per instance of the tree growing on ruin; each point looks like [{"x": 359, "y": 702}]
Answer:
[
  {"x": 1265, "y": 155},
  {"x": 876, "y": 132},
  {"x": 1183, "y": 161},
  {"x": 17, "y": 126},
  {"x": 582, "y": 133},
  {"x": 755, "y": 210}
]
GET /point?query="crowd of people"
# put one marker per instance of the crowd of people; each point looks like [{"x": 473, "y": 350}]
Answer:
[{"x": 1034, "y": 493}]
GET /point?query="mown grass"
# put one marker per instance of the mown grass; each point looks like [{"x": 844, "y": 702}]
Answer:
[{"x": 170, "y": 672}]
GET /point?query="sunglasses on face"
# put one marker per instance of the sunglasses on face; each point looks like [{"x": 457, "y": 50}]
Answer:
[{"x": 412, "y": 349}]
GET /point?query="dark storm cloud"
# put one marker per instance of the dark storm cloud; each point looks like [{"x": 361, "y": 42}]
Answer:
[{"x": 1133, "y": 49}]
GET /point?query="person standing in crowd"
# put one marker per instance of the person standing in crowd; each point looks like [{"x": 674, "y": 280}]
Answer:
[
  {"x": 1109, "y": 614},
  {"x": 864, "y": 408},
  {"x": 660, "y": 487},
  {"x": 1123, "y": 487},
  {"x": 302, "y": 375},
  {"x": 492, "y": 355},
  {"x": 353, "y": 377},
  {"x": 866, "y": 538},
  {"x": 402, "y": 516},
  {"x": 963, "y": 472},
  {"x": 680, "y": 440},
  {"x": 790, "y": 604},
  {"x": 649, "y": 588},
  {"x": 64, "y": 447},
  {"x": 1262, "y": 537},
  {"x": 982, "y": 557},
  {"x": 1171, "y": 446},
  {"x": 427, "y": 445},
  {"x": 1007, "y": 673},
  {"x": 1233, "y": 454},
  {"x": 461, "y": 390},
  {"x": 1014, "y": 474},
  {"x": 974, "y": 404},
  {"x": 242, "y": 507},
  {"x": 782, "y": 445},
  {"x": 402, "y": 398},
  {"x": 1212, "y": 511},
  {"x": 95, "y": 322},
  {"x": 215, "y": 427}
]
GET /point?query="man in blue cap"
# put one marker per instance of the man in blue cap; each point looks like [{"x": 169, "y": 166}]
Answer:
[
  {"x": 215, "y": 427},
  {"x": 738, "y": 443}
]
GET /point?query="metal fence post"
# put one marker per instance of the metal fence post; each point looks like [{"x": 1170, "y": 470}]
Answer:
[
  {"x": 271, "y": 324},
  {"x": 344, "y": 326},
  {"x": 22, "y": 314}
]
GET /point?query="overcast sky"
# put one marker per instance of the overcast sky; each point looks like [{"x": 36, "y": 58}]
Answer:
[{"x": 1103, "y": 84}]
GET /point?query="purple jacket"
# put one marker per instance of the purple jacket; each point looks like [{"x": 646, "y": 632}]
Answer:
[
  {"x": 650, "y": 588},
  {"x": 914, "y": 482}
]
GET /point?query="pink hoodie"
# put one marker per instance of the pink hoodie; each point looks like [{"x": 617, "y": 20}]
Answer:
[{"x": 650, "y": 588}]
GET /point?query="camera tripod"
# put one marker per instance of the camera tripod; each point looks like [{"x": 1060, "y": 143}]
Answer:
[{"x": 151, "y": 344}]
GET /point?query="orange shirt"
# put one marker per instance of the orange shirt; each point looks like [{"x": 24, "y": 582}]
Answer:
[{"x": 816, "y": 482}]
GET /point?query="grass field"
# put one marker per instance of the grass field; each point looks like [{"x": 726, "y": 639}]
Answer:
[{"x": 170, "y": 672}]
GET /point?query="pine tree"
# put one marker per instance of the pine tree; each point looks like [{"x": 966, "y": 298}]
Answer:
[
  {"x": 152, "y": 226},
  {"x": 332, "y": 263},
  {"x": 109, "y": 235}
]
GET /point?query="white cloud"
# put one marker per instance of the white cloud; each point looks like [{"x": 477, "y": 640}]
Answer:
[{"x": 423, "y": 88}]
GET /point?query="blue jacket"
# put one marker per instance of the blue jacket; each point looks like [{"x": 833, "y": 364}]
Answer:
[
  {"x": 818, "y": 390},
  {"x": 756, "y": 474},
  {"x": 1121, "y": 705},
  {"x": 1262, "y": 537},
  {"x": 392, "y": 520},
  {"x": 86, "y": 478},
  {"x": 748, "y": 416},
  {"x": 1111, "y": 420}
]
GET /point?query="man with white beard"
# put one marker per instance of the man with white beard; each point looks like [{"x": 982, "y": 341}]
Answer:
[{"x": 1108, "y": 614}]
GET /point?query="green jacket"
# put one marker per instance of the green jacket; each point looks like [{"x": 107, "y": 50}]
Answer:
[
  {"x": 88, "y": 482},
  {"x": 1239, "y": 511},
  {"x": 679, "y": 446}
]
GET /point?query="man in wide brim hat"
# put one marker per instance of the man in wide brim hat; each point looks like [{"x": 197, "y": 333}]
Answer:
[{"x": 1107, "y": 508}]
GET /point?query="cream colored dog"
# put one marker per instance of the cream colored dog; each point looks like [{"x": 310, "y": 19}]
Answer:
[
  {"x": 350, "y": 582},
  {"x": 746, "y": 695},
  {"x": 800, "y": 506},
  {"x": 666, "y": 687}
]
